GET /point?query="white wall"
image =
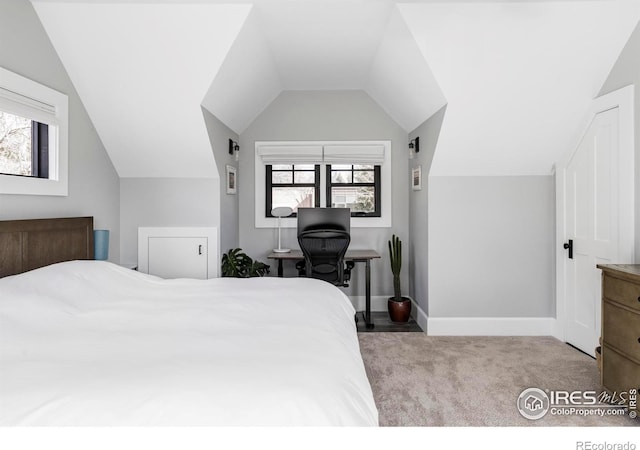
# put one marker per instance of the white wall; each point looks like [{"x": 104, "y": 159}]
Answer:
[
  {"x": 165, "y": 202},
  {"x": 328, "y": 115},
  {"x": 626, "y": 71},
  {"x": 491, "y": 243},
  {"x": 219, "y": 135},
  {"x": 418, "y": 243},
  {"x": 182, "y": 202},
  {"x": 93, "y": 182}
]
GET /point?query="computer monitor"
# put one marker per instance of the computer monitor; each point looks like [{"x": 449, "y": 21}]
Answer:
[{"x": 324, "y": 219}]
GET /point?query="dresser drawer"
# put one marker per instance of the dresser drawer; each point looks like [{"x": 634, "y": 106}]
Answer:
[
  {"x": 621, "y": 329},
  {"x": 619, "y": 373},
  {"x": 621, "y": 291}
]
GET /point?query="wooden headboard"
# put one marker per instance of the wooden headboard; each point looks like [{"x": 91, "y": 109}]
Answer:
[{"x": 29, "y": 244}]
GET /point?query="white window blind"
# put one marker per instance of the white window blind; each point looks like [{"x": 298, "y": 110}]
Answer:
[
  {"x": 354, "y": 154},
  {"x": 294, "y": 154},
  {"x": 317, "y": 154},
  {"x": 27, "y": 107}
]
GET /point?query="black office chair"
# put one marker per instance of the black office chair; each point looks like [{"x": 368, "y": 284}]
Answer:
[{"x": 324, "y": 251}]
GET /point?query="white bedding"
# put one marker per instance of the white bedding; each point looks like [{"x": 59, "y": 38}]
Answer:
[{"x": 91, "y": 343}]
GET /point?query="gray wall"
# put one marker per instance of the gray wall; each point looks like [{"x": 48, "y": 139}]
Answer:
[
  {"x": 626, "y": 71},
  {"x": 418, "y": 243},
  {"x": 219, "y": 135},
  {"x": 182, "y": 202},
  {"x": 165, "y": 202},
  {"x": 328, "y": 115},
  {"x": 93, "y": 182},
  {"x": 491, "y": 243}
]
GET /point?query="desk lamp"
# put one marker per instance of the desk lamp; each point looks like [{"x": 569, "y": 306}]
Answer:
[{"x": 280, "y": 212}]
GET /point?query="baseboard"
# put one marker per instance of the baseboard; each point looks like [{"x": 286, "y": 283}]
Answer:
[
  {"x": 557, "y": 330},
  {"x": 419, "y": 315},
  {"x": 379, "y": 303},
  {"x": 468, "y": 326},
  {"x": 491, "y": 326}
]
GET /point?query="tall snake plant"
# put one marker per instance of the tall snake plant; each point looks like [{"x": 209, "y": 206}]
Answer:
[{"x": 395, "y": 256}]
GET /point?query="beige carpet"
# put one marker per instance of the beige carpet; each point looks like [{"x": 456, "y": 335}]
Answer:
[{"x": 421, "y": 380}]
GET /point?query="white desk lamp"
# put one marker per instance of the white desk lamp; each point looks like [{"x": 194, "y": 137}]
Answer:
[{"x": 280, "y": 212}]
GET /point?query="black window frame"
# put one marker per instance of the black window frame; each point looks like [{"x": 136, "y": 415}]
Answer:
[
  {"x": 377, "y": 188},
  {"x": 270, "y": 185},
  {"x": 39, "y": 151}
]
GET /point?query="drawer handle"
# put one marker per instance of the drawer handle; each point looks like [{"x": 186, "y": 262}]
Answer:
[{"x": 639, "y": 299}]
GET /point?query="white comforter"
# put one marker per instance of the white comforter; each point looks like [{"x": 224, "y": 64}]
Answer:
[{"x": 92, "y": 343}]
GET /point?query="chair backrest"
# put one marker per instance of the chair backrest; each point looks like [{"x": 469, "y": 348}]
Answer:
[
  {"x": 324, "y": 252},
  {"x": 324, "y": 219}
]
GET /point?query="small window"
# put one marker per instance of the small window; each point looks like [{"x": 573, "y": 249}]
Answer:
[
  {"x": 34, "y": 137},
  {"x": 354, "y": 174},
  {"x": 354, "y": 186},
  {"x": 293, "y": 185},
  {"x": 24, "y": 146}
]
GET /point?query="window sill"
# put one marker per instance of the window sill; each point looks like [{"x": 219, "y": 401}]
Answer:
[{"x": 32, "y": 186}]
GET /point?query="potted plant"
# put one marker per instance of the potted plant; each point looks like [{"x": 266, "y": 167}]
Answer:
[
  {"x": 236, "y": 263},
  {"x": 399, "y": 307}
]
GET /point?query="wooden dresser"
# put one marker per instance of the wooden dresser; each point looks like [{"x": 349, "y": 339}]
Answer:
[{"x": 620, "y": 326}]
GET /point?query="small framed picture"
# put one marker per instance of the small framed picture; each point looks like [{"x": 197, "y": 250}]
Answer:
[
  {"x": 232, "y": 180},
  {"x": 416, "y": 178}
]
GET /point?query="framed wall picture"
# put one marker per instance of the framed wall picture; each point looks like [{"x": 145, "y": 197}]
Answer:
[
  {"x": 232, "y": 180},
  {"x": 416, "y": 178}
]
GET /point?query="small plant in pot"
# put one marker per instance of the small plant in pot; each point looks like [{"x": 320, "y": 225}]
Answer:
[
  {"x": 237, "y": 264},
  {"x": 399, "y": 307}
]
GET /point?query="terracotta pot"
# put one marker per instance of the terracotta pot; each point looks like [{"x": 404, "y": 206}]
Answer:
[{"x": 399, "y": 311}]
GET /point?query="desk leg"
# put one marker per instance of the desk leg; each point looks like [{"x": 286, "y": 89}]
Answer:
[
  {"x": 280, "y": 270},
  {"x": 367, "y": 313}
]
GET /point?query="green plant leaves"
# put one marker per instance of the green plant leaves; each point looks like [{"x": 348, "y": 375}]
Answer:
[{"x": 237, "y": 264}]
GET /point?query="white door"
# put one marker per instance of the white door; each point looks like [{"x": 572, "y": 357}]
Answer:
[
  {"x": 595, "y": 213},
  {"x": 178, "y": 257},
  {"x": 591, "y": 227}
]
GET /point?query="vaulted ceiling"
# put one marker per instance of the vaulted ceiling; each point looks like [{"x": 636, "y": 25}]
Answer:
[{"x": 516, "y": 76}]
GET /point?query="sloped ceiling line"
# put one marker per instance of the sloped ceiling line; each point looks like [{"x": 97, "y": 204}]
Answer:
[
  {"x": 141, "y": 70},
  {"x": 516, "y": 76}
]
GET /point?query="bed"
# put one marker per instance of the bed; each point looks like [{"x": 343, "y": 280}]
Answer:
[{"x": 90, "y": 343}]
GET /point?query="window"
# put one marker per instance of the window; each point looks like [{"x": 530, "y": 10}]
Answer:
[
  {"x": 354, "y": 186},
  {"x": 293, "y": 185},
  {"x": 353, "y": 174},
  {"x": 33, "y": 137},
  {"x": 24, "y": 146}
]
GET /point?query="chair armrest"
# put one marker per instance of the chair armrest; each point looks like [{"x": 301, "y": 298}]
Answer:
[
  {"x": 301, "y": 267},
  {"x": 347, "y": 270}
]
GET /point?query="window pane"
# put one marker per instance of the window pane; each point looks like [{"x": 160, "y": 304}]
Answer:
[
  {"x": 304, "y": 167},
  {"x": 340, "y": 176},
  {"x": 294, "y": 197},
  {"x": 282, "y": 167},
  {"x": 359, "y": 199},
  {"x": 15, "y": 144},
  {"x": 305, "y": 177},
  {"x": 361, "y": 176},
  {"x": 282, "y": 177},
  {"x": 363, "y": 167},
  {"x": 341, "y": 166}
]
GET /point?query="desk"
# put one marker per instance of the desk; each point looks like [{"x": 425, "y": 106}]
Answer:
[{"x": 364, "y": 256}]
